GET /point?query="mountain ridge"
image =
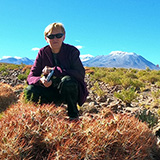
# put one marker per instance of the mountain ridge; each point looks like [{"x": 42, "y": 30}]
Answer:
[
  {"x": 19, "y": 60},
  {"x": 117, "y": 59}
]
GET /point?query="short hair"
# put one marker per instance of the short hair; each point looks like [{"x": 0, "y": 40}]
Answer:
[{"x": 49, "y": 29}]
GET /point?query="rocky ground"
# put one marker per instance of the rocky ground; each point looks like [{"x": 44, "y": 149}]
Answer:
[{"x": 95, "y": 103}]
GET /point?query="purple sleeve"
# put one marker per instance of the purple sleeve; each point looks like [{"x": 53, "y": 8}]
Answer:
[{"x": 36, "y": 71}]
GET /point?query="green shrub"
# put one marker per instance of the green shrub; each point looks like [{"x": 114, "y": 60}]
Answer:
[
  {"x": 131, "y": 75},
  {"x": 126, "y": 82},
  {"x": 148, "y": 69},
  {"x": 22, "y": 77},
  {"x": 141, "y": 73},
  {"x": 147, "y": 116},
  {"x": 153, "y": 78},
  {"x": 13, "y": 66},
  {"x": 5, "y": 73},
  {"x": 158, "y": 84},
  {"x": 2, "y": 68},
  {"x": 150, "y": 76},
  {"x": 1, "y": 115},
  {"x": 137, "y": 84},
  {"x": 158, "y": 112},
  {"x": 156, "y": 94},
  {"x": 112, "y": 79},
  {"x": 127, "y": 96},
  {"x": 97, "y": 90},
  {"x": 156, "y": 97},
  {"x": 99, "y": 73}
]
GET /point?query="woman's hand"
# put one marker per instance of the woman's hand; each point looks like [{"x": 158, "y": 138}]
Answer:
[
  {"x": 46, "y": 70},
  {"x": 45, "y": 82}
]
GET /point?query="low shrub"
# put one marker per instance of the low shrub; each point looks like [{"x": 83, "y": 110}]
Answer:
[
  {"x": 5, "y": 73},
  {"x": 127, "y": 96},
  {"x": 126, "y": 82},
  {"x": 26, "y": 71},
  {"x": 2, "y": 68},
  {"x": 156, "y": 94},
  {"x": 7, "y": 66},
  {"x": 137, "y": 84},
  {"x": 97, "y": 90},
  {"x": 147, "y": 116},
  {"x": 112, "y": 78},
  {"x": 22, "y": 77},
  {"x": 158, "y": 112},
  {"x": 158, "y": 84},
  {"x": 99, "y": 73}
]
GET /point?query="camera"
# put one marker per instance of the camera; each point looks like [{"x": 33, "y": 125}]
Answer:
[{"x": 50, "y": 75}]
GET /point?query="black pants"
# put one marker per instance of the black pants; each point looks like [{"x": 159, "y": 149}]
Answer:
[{"x": 63, "y": 90}]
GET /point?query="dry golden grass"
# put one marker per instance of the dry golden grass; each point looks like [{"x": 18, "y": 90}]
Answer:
[
  {"x": 89, "y": 70},
  {"x": 42, "y": 132},
  {"x": 26, "y": 67},
  {"x": 7, "y": 96}
]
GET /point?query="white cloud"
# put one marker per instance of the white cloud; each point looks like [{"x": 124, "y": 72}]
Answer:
[
  {"x": 35, "y": 49},
  {"x": 79, "y": 47},
  {"x": 4, "y": 57}
]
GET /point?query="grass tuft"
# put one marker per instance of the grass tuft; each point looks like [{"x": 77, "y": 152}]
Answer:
[{"x": 42, "y": 132}]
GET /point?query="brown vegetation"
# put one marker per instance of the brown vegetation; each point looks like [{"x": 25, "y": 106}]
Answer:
[
  {"x": 106, "y": 130},
  {"x": 43, "y": 132},
  {"x": 26, "y": 68},
  {"x": 7, "y": 96}
]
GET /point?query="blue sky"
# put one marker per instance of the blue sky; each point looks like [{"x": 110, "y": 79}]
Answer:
[{"x": 97, "y": 27}]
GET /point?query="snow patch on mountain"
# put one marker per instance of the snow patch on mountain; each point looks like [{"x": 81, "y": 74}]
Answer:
[
  {"x": 17, "y": 60},
  {"x": 86, "y": 57}
]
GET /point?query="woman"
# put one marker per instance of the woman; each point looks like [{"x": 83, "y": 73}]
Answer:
[{"x": 67, "y": 82}]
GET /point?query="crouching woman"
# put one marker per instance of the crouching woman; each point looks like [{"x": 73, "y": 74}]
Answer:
[{"x": 57, "y": 75}]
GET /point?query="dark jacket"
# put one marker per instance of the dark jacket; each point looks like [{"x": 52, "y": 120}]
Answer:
[{"x": 69, "y": 60}]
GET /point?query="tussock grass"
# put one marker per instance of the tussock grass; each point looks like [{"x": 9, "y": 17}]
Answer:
[
  {"x": 43, "y": 132},
  {"x": 30, "y": 131},
  {"x": 7, "y": 96}
]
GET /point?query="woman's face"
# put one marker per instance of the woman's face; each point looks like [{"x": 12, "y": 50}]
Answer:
[{"x": 55, "y": 43}]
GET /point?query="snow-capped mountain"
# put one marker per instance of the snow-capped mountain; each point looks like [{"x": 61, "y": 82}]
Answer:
[
  {"x": 27, "y": 61},
  {"x": 120, "y": 59},
  {"x": 16, "y": 60},
  {"x": 85, "y": 57},
  {"x": 116, "y": 59}
]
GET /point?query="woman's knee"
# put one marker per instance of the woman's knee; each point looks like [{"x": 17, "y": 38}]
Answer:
[
  {"x": 69, "y": 87},
  {"x": 29, "y": 89},
  {"x": 69, "y": 83},
  {"x": 30, "y": 93}
]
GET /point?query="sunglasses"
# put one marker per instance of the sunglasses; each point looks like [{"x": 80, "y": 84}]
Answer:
[{"x": 52, "y": 36}]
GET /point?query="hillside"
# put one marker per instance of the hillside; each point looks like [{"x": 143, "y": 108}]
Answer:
[{"x": 107, "y": 122}]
